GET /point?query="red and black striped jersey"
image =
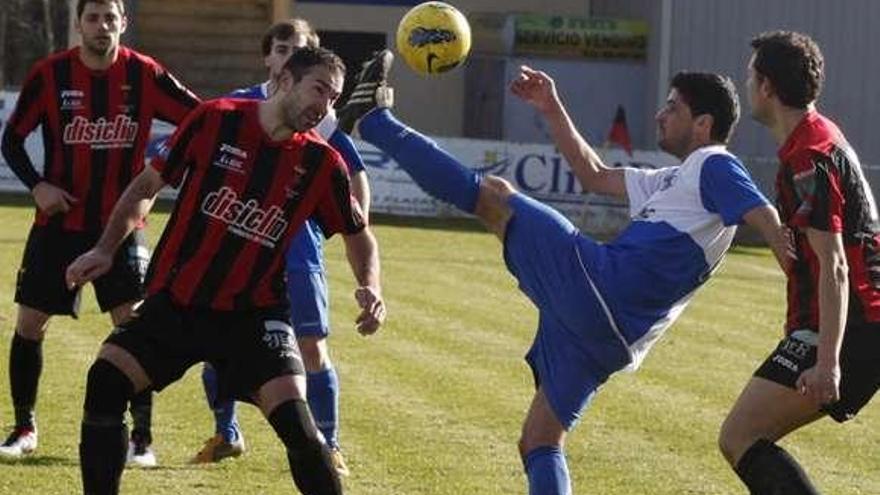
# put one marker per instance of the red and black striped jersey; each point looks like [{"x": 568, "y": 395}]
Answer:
[
  {"x": 242, "y": 198},
  {"x": 95, "y": 127},
  {"x": 821, "y": 185}
]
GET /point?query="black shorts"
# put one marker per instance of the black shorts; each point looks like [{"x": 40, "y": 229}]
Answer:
[
  {"x": 246, "y": 348},
  {"x": 859, "y": 363},
  {"x": 40, "y": 284}
]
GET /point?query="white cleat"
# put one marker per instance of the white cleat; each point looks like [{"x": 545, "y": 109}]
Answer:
[
  {"x": 21, "y": 442},
  {"x": 140, "y": 455}
]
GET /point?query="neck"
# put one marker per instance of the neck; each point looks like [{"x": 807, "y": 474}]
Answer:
[
  {"x": 785, "y": 119},
  {"x": 694, "y": 147},
  {"x": 98, "y": 62},
  {"x": 271, "y": 121}
]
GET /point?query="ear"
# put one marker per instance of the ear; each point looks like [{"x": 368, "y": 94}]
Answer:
[
  {"x": 703, "y": 125},
  {"x": 285, "y": 81},
  {"x": 123, "y": 24}
]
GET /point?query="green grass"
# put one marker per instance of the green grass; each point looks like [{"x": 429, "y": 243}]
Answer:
[{"x": 433, "y": 403}]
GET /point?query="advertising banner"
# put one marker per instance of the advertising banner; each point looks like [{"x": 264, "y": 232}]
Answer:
[
  {"x": 583, "y": 37},
  {"x": 535, "y": 169}
]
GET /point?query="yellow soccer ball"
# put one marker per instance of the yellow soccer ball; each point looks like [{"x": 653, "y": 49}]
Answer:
[{"x": 433, "y": 37}]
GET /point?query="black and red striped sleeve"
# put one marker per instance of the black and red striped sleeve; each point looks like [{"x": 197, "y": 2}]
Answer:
[
  {"x": 172, "y": 101},
  {"x": 818, "y": 192},
  {"x": 30, "y": 111},
  {"x": 177, "y": 154},
  {"x": 338, "y": 210}
]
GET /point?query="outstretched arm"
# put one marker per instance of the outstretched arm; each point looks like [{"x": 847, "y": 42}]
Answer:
[
  {"x": 765, "y": 220},
  {"x": 135, "y": 203},
  {"x": 363, "y": 256},
  {"x": 539, "y": 90}
]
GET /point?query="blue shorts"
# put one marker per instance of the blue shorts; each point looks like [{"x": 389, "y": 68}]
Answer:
[
  {"x": 576, "y": 347},
  {"x": 309, "y": 303}
]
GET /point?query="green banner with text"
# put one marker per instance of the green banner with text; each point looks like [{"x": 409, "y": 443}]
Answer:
[{"x": 585, "y": 37}]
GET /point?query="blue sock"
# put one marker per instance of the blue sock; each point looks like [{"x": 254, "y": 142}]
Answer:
[
  {"x": 438, "y": 173},
  {"x": 547, "y": 472},
  {"x": 323, "y": 396},
  {"x": 225, "y": 421}
]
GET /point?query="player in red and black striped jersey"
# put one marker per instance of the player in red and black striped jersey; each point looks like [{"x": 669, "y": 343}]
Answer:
[
  {"x": 95, "y": 104},
  {"x": 250, "y": 173},
  {"x": 829, "y": 361}
]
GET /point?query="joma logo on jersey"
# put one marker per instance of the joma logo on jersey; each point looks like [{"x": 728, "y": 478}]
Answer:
[
  {"x": 117, "y": 133},
  {"x": 231, "y": 158},
  {"x": 246, "y": 218}
]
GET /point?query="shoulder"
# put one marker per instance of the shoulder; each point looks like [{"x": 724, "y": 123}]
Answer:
[{"x": 127, "y": 55}]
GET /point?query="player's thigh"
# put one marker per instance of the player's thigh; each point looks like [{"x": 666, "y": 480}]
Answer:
[
  {"x": 40, "y": 282},
  {"x": 492, "y": 207},
  {"x": 251, "y": 349},
  {"x": 123, "y": 284},
  {"x": 159, "y": 339},
  {"x": 31, "y": 323},
  {"x": 309, "y": 303},
  {"x": 764, "y": 410}
]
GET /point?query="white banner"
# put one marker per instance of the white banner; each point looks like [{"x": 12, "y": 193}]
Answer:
[{"x": 535, "y": 169}]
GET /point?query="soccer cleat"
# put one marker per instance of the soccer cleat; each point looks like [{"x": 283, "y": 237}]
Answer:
[
  {"x": 339, "y": 462},
  {"x": 371, "y": 91},
  {"x": 217, "y": 448},
  {"x": 21, "y": 442},
  {"x": 140, "y": 454}
]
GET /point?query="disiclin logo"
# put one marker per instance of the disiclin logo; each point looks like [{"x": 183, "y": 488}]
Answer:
[
  {"x": 117, "y": 133},
  {"x": 246, "y": 218}
]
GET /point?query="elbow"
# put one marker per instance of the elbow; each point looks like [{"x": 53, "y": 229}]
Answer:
[{"x": 840, "y": 271}]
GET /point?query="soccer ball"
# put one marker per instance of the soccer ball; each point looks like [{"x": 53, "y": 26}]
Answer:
[{"x": 433, "y": 37}]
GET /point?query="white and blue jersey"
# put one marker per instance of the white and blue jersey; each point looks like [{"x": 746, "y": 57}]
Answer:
[
  {"x": 306, "y": 248},
  {"x": 683, "y": 221},
  {"x": 602, "y": 306}
]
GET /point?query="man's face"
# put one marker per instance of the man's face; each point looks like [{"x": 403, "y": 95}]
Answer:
[
  {"x": 757, "y": 89},
  {"x": 305, "y": 102},
  {"x": 280, "y": 52},
  {"x": 100, "y": 26},
  {"x": 675, "y": 126}
]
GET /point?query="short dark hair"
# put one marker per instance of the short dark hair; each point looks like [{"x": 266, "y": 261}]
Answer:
[
  {"x": 81, "y": 5},
  {"x": 793, "y": 63},
  {"x": 712, "y": 94},
  {"x": 284, "y": 30},
  {"x": 303, "y": 59}
]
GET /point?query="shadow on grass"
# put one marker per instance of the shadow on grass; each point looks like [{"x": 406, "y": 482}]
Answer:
[{"x": 39, "y": 460}]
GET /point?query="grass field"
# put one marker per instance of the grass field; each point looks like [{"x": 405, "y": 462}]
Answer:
[{"x": 433, "y": 404}]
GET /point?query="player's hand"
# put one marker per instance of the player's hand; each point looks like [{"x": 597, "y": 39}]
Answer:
[
  {"x": 820, "y": 383},
  {"x": 535, "y": 88},
  {"x": 87, "y": 267},
  {"x": 783, "y": 248},
  {"x": 52, "y": 199},
  {"x": 372, "y": 306}
]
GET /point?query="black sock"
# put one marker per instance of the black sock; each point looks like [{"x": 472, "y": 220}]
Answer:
[
  {"x": 25, "y": 366},
  {"x": 308, "y": 456},
  {"x": 102, "y": 450},
  {"x": 767, "y": 469},
  {"x": 104, "y": 437},
  {"x": 141, "y": 408}
]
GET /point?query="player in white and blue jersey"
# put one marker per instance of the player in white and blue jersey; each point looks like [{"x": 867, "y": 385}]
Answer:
[
  {"x": 307, "y": 285},
  {"x": 601, "y": 306}
]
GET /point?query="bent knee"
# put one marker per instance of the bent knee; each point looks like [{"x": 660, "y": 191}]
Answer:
[{"x": 733, "y": 441}]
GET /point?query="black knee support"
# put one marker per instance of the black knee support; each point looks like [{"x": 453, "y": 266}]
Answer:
[
  {"x": 307, "y": 453},
  {"x": 107, "y": 393}
]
